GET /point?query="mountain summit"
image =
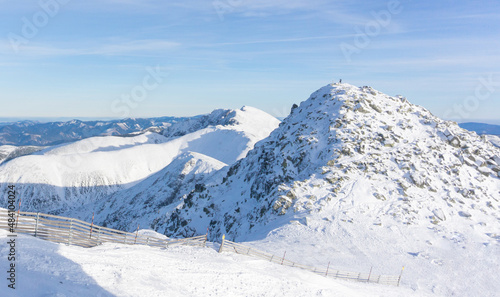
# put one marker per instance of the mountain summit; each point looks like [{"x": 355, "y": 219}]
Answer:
[
  {"x": 350, "y": 154},
  {"x": 362, "y": 179}
]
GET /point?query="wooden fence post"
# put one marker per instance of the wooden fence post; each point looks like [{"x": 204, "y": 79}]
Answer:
[
  {"x": 206, "y": 238},
  {"x": 400, "y": 275},
  {"x": 222, "y": 244},
  {"x": 283, "y": 258},
  {"x": 18, "y": 212},
  {"x": 370, "y": 274},
  {"x": 36, "y": 223},
  {"x": 69, "y": 232},
  {"x": 136, "y": 232},
  {"x": 91, "y": 226},
  {"x": 328, "y": 267}
]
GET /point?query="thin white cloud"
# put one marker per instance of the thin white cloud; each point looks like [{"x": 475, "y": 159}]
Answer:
[
  {"x": 477, "y": 16},
  {"x": 445, "y": 63},
  {"x": 135, "y": 46},
  {"x": 144, "y": 6},
  {"x": 266, "y": 8},
  {"x": 116, "y": 48},
  {"x": 286, "y": 40}
]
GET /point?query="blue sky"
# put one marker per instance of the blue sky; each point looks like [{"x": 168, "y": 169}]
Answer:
[{"x": 130, "y": 58}]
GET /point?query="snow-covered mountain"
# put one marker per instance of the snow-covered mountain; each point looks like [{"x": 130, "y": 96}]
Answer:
[
  {"x": 64, "y": 177},
  {"x": 33, "y": 133},
  {"x": 351, "y": 176},
  {"x": 345, "y": 140},
  {"x": 363, "y": 178}
]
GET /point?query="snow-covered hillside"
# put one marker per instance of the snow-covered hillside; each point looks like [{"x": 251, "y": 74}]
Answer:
[
  {"x": 49, "y": 269},
  {"x": 365, "y": 179},
  {"x": 9, "y": 152},
  {"x": 67, "y": 176},
  {"x": 494, "y": 139}
]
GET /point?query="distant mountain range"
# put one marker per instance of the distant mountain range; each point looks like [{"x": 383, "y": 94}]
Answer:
[
  {"x": 32, "y": 133},
  {"x": 35, "y": 133},
  {"x": 481, "y": 128}
]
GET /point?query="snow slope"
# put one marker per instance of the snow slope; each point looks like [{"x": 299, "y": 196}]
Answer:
[
  {"x": 142, "y": 203},
  {"x": 494, "y": 139},
  {"x": 9, "y": 152},
  {"x": 364, "y": 179},
  {"x": 70, "y": 175},
  {"x": 49, "y": 269}
]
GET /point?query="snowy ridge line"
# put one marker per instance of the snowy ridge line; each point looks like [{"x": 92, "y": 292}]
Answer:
[
  {"x": 230, "y": 246},
  {"x": 76, "y": 232}
]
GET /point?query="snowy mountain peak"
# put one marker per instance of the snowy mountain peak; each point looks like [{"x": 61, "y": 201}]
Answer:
[
  {"x": 244, "y": 118},
  {"x": 352, "y": 154}
]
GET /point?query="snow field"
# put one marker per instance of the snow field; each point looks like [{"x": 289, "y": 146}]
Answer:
[{"x": 49, "y": 269}]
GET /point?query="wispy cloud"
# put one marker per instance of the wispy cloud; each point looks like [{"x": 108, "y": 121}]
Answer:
[
  {"x": 116, "y": 48},
  {"x": 285, "y": 40},
  {"x": 441, "y": 62},
  {"x": 476, "y": 16},
  {"x": 278, "y": 5},
  {"x": 134, "y": 46}
]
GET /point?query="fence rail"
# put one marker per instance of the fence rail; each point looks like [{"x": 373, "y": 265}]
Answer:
[
  {"x": 76, "y": 232},
  {"x": 328, "y": 272}
]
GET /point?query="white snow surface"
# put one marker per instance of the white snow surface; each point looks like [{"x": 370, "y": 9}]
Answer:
[
  {"x": 495, "y": 139},
  {"x": 48, "y": 269}
]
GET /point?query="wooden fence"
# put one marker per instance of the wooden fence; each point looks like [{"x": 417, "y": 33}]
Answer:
[
  {"x": 75, "y": 232},
  {"x": 328, "y": 272}
]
